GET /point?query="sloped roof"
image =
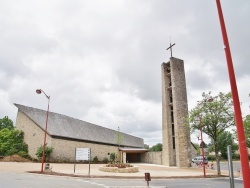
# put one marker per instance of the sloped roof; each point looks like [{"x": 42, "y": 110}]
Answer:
[{"x": 67, "y": 127}]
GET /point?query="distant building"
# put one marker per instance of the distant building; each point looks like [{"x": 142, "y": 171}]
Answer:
[{"x": 67, "y": 133}]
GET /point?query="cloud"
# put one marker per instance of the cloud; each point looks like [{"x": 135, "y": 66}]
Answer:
[{"x": 100, "y": 60}]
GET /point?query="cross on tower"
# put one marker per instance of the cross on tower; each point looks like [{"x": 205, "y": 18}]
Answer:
[{"x": 170, "y": 47}]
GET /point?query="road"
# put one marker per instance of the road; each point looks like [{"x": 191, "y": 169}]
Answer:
[
  {"x": 224, "y": 166},
  {"x": 24, "y": 180}
]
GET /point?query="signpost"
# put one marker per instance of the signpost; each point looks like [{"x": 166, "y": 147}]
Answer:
[{"x": 82, "y": 154}]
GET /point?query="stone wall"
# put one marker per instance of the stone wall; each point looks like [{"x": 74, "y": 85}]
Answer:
[
  {"x": 152, "y": 157},
  {"x": 180, "y": 106},
  {"x": 64, "y": 150},
  {"x": 33, "y": 135},
  {"x": 168, "y": 152}
]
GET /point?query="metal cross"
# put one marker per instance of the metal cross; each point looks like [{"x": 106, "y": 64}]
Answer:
[{"x": 170, "y": 47}]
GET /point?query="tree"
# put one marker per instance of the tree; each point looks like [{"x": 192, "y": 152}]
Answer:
[
  {"x": 225, "y": 139},
  {"x": 6, "y": 123},
  {"x": 11, "y": 142},
  {"x": 210, "y": 147},
  {"x": 246, "y": 124},
  {"x": 157, "y": 147},
  {"x": 214, "y": 115},
  {"x": 197, "y": 148}
]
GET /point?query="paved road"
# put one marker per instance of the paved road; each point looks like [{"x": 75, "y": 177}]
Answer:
[
  {"x": 224, "y": 166},
  {"x": 24, "y": 180}
]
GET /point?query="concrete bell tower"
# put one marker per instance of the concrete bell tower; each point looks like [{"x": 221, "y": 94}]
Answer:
[{"x": 176, "y": 145}]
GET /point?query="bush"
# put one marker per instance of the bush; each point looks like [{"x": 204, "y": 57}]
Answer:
[
  {"x": 95, "y": 160},
  {"x": 47, "y": 152},
  {"x": 105, "y": 160},
  {"x": 112, "y": 157},
  {"x": 11, "y": 142},
  {"x": 12, "y": 151},
  {"x": 211, "y": 158},
  {"x": 119, "y": 165},
  {"x": 236, "y": 156},
  {"x": 24, "y": 154}
]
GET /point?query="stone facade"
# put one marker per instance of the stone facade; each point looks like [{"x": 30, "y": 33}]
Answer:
[
  {"x": 33, "y": 135},
  {"x": 152, "y": 157},
  {"x": 64, "y": 150},
  {"x": 175, "y": 130}
]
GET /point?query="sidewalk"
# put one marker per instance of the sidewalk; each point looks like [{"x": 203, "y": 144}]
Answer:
[{"x": 156, "y": 171}]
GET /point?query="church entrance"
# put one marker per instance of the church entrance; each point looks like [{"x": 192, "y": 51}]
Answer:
[{"x": 133, "y": 157}]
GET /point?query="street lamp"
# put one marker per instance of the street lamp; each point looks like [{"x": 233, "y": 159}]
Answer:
[
  {"x": 39, "y": 91},
  {"x": 210, "y": 99},
  {"x": 202, "y": 146}
]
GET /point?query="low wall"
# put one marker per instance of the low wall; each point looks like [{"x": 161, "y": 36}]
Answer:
[
  {"x": 119, "y": 170},
  {"x": 152, "y": 157}
]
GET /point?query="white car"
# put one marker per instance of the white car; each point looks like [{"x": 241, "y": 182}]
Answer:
[{"x": 198, "y": 160}]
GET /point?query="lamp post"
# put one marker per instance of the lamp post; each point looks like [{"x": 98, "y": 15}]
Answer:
[
  {"x": 198, "y": 135},
  {"x": 202, "y": 146},
  {"x": 39, "y": 91}
]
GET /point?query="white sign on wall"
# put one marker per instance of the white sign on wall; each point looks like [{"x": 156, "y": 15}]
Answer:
[{"x": 82, "y": 154}]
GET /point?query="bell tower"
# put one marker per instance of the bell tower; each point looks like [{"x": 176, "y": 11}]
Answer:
[{"x": 176, "y": 145}]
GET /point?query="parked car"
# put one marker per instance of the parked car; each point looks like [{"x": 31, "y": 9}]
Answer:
[{"x": 198, "y": 160}]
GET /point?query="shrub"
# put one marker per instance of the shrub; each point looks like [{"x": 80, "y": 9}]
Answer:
[
  {"x": 24, "y": 154},
  {"x": 47, "y": 152},
  {"x": 105, "y": 160},
  {"x": 119, "y": 165},
  {"x": 95, "y": 160},
  {"x": 211, "y": 158},
  {"x": 12, "y": 151},
  {"x": 112, "y": 157},
  {"x": 236, "y": 156}
]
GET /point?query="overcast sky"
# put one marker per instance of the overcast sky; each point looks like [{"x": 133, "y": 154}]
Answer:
[{"x": 100, "y": 60}]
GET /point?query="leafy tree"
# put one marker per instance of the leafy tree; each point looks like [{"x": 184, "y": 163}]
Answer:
[
  {"x": 11, "y": 142},
  {"x": 47, "y": 152},
  {"x": 215, "y": 114},
  {"x": 146, "y": 146},
  {"x": 210, "y": 147},
  {"x": 246, "y": 124},
  {"x": 224, "y": 139},
  {"x": 6, "y": 123},
  {"x": 157, "y": 147},
  {"x": 197, "y": 147}
]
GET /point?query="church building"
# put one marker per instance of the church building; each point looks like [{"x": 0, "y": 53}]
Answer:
[{"x": 65, "y": 133}]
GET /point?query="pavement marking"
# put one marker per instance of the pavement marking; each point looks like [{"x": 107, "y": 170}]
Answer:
[
  {"x": 106, "y": 186},
  {"x": 137, "y": 187},
  {"x": 93, "y": 183},
  {"x": 239, "y": 178}
]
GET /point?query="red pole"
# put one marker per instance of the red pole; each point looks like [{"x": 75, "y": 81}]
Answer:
[
  {"x": 236, "y": 103},
  {"x": 45, "y": 134},
  {"x": 202, "y": 149}
]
